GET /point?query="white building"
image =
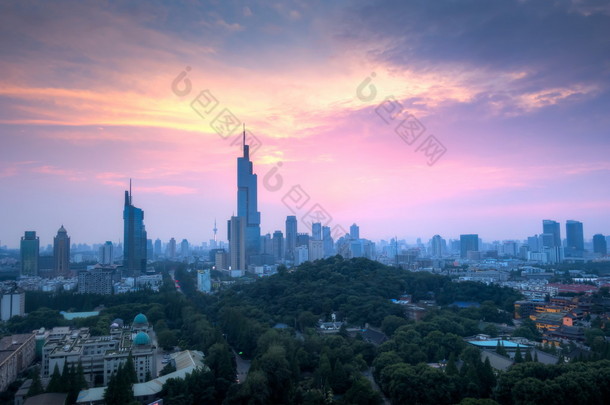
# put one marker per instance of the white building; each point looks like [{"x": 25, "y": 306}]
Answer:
[{"x": 204, "y": 282}]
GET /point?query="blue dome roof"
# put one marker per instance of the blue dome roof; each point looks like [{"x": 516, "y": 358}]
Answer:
[
  {"x": 140, "y": 319},
  {"x": 142, "y": 338}
]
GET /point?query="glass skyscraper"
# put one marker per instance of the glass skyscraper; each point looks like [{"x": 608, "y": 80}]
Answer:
[
  {"x": 30, "y": 247},
  {"x": 553, "y": 234},
  {"x": 291, "y": 236},
  {"x": 247, "y": 203},
  {"x": 574, "y": 238},
  {"x": 134, "y": 247}
]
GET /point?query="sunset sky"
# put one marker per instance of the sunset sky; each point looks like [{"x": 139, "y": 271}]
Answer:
[{"x": 517, "y": 92}]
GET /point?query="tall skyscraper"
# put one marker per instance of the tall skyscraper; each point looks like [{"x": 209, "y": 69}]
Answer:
[
  {"x": 574, "y": 238},
  {"x": 468, "y": 243},
  {"x": 237, "y": 242},
  {"x": 30, "y": 249},
  {"x": 599, "y": 244},
  {"x": 551, "y": 231},
  {"x": 247, "y": 203},
  {"x": 278, "y": 245},
  {"x": 291, "y": 236},
  {"x": 134, "y": 238},
  {"x": 61, "y": 253},
  {"x": 316, "y": 231},
  {"x": 354, "y": 232}
]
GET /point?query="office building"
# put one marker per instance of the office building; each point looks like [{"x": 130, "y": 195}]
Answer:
[
  {"x": 316, "y": 231},
  {"x": 107, "y": 254},
  {"x": 221, "y": 260},
  {"x": 237, "y": 242},
  {"x": 551, "y": 234},
  {"x": 149, "y": 250},
  {"x": 437, "y": 246},
  {"x": 247, "y": 204},
  {"x": 575, "y": 241},
  {"x": 158, "y": 248},
  {"x": 61, "y": 253},
  {"x": 30, "y": 248},
  {"x": 468, "y": 243},
  {"x": 301, "y": 255},
  {"x": 327, "y": 241},
  {"x": 315, "y": 250},
  {"x": 134, "y": 238},
  {"x": 171, "y": 249},
  {"x": 184, "y": 248},
  {"x": 599, "y": 244},
  {"x": 278, "y": 245},
  {"x": 291, "y": 236},
  {"x": 98, "y": 280}
]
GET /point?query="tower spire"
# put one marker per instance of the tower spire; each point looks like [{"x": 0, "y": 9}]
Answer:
[
  {"x": 129, "y": 191},
  {"x": 244, "y": 135}
]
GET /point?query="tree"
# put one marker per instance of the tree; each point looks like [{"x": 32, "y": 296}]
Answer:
[
  {"x": 518, "y": 358},
  {"x": 55, "y": 383},
  {"x": 36, "y": 387},
  {"x": 500, "y": 349},
  {"x": 361, "y": 393}
]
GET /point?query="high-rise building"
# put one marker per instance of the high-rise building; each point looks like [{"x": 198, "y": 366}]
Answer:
[
  {"x": 247, "y": 203},
  {"x": 158, "y": 248},
  {"x": 599, "y": 244},
  {"x": 551, "y": 231},
  {"x": 533, "y": 243},
  {"x": 354, "y": 232},
  {"x": 184, "y": 248},
  {"x": 468, "y": 243},
  {"x": 327, "y": 241},
  {"x": 291, "y": 236},
  {"x": 303, "y": 239},
  {"x": 171, "y": 249},
  {"x": 437, "y": 246},
  {"x": 575, "y": 239},
  {"x": 107, "y": 253},
  {"x": 61, "y": 253},
  {"x": 278, "y": 245},
  {"x": 30, "y": 249},
  {"x": 315, "y": 249},
  {"x": 12, "y": 302},
  {"x": 316, "y": 231},
  {"x": 149, "y": 250},
  {"x": 237, "y": 242},
  {"x": 134, "y": 238}
]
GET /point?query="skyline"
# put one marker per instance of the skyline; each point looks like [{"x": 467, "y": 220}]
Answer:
[{"x": 87, "y": 103}]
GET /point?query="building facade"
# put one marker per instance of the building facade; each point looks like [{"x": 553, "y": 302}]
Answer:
[
  {"x": 30, "y": 250},
  {"x": 134, "y": 238}
]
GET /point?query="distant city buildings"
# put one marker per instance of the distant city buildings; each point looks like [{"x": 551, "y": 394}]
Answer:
[
  {"x": 98, "y": 280},
  {"x": 106, "y": 254}
]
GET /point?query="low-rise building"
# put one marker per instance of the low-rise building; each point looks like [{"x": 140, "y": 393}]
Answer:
[{"x": 17, "y": 352}]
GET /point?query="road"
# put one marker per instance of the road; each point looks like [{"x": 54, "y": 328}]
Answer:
[
  {"x": 368, "y": 374},
  {"x": 243, "y": 367}
]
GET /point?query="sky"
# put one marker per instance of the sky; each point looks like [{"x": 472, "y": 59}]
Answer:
[{"x": 410, "y": 118}]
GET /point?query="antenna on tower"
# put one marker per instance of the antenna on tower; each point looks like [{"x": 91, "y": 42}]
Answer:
[
  {"x": 129, "y": 191},
  {"x": 244, "y": 135}
]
